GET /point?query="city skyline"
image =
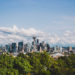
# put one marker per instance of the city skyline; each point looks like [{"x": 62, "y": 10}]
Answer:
[{"x": 54, "y": 20}]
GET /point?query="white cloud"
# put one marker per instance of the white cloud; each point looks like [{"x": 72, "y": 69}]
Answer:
[{"x": 14, "y": 34}]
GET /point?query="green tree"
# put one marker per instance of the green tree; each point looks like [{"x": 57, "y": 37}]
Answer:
[{"x": 22, "y": 65}]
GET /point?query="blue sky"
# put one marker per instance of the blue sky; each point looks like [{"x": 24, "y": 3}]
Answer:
[
  {"x": 51, "y": 16},
  {"x": 35, "y": 13}
]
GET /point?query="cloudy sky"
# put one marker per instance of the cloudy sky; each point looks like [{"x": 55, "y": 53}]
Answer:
[{"x": 54, "y": 20}]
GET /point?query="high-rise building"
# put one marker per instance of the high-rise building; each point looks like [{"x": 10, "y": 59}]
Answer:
[
  {"x": 70, "y": 48},
  {"x": 34, "y": 44},
  {"x": 27, "y": 47},
  {"x": 43, "y": 46},
  {"x": 8, "y": 48},
  {"x": 13, "y": 47},
  {"x": 56, "y": 49},
  {"x": 37, "y": 41},
  {"x": 48, "y": 48},
  {"x": 61, "y": 50},
  {"x": 20, "y": 46}
]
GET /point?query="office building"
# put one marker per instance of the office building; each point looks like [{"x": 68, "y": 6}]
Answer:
[
  {"x": 8, "y": 48},
  {"x": 20, "y": 46},
  {"x": 13, "y": 47}
]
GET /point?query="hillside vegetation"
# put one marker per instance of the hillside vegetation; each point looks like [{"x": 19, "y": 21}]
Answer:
[{"x": 36, "y": 64}]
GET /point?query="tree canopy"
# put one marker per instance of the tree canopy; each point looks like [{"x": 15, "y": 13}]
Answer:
[{"x": 36, "y": 64}]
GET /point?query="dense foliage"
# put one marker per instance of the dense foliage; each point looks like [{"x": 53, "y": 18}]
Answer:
[{"x": 36, "y": 64}]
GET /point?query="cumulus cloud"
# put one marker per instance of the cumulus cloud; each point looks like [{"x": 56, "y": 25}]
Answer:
[{"x": 15, "y": 34}]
